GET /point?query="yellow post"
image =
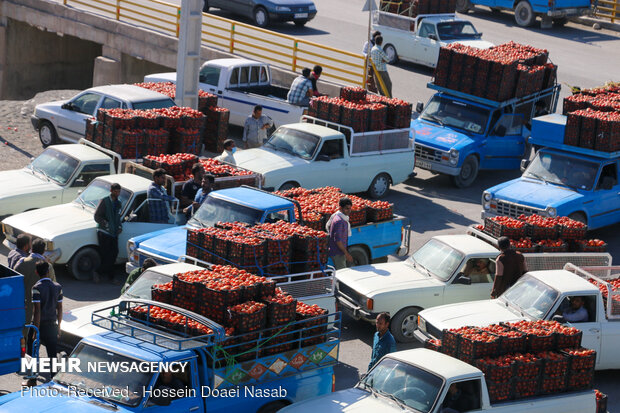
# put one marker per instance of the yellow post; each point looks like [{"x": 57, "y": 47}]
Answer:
[
  {"x": 118, "y": 9},
  {"x": 64, "y": 2},
  {"x": 295, "y": 48},
  {"x": 178, "y": 21},
  {"x": 232, "y": 38},
  {"x": 615, "y": 13},
  {"x": 365, "y": 85},
  {"x": 380, "y": 79}
]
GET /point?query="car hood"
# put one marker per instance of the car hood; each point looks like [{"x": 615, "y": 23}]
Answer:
[
  {"x": 437, "y": 137},
  {"x": 394, "y": 276},
  {"x": 59, "y": 402},
  {"x": 534, "y": 193},
  {"x": 349, "y": 400},
  {"x": 53, "y": 106},
  {"x": 480, "y": 44},
  {"x": 169, "y": 244},
  {"x": 23, "y": 182},
  {"x": 474, "y": 313},
  {"x": 53, "y": 221},
  {"x": 77, "y": 322},
  {"x": 263, "y": 160}
]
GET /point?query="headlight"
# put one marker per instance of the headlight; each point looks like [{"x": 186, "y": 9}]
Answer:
[
  {"x": 551, "y": 211},
  {"x": 454, "y": 156},
  {"x": 7, "y": 229},
  {"x": 131, "y": 246},
  {"x": 283, "y": 8},
  {"x": 486, "y": 196},
  {"x": 312, "y": 7},
  {"x": 49, "y": 245}
]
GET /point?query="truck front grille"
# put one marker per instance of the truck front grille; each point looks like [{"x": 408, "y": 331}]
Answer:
[
  {"x": 427, "y": 154},
  {"x": 349, "y": 292},
  {"x": 514, "y": 210}
]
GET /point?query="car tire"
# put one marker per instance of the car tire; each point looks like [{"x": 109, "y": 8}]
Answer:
[
  {"x": 288, "y": 185},
  {"x": 300, "y": 23},
  {"x": 524, "y": 15},
  {"x": 391, "y": 53},
  {"x": 84, "y": 263},
  {"x": 379, "y": 186},
  {"x": 360, "y": 256},
  {"x": 47, "y": 134},
  {"x": 261, "y": 17},
  {"x": 579, "y": 216},
  {"x": 205, "y": 6},
  {"x": 463, "y": 6},
  {"x": 404, "y": 324},
  {"x": 468, "y": 174}
]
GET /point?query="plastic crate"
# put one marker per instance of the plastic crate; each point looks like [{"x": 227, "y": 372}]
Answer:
[
  {"x": 433, "y": 344},
  {"x": 552, "y": 384},
  {"x": 553, "y": 367},
  {"x": 580, "y": 380},
  {"x": 580, "y": 363},
  {"x": 377, "y": 215},
  {"x": 581, "y": 246},
  {"x": 245, "y": 323},
  {"x": 161, "y": 295},
  {"x": 499, "y": 391},
  {"x": 279, "y": 314},
  {"x": 495, "y": 373},
  {"x": 567, "y": 233},
  {"x": 471, "y": 349},
  {"x": 498, "y": 229},
  {"x": 537, "y": 233},
  {"x": 541, "y": 343},
  {"x": 546, "y": 248},
  {"x": 569, "y": 341},
  {"x": 313, "y": 327},
  {"x": 525, "y": 387},
  {"x": 530, "y": 370},
  {"x": 601, "y": 404},
  {"x": 357, "y": 218}
]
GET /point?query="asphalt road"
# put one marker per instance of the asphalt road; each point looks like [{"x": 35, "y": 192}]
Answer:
[{"x": 585, "y": 57}]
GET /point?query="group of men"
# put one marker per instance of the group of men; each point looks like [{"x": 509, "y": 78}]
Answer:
[{"x": 304, "y": 86}]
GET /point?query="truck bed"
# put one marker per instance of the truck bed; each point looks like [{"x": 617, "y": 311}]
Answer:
[{"x": 272, "y": 91}]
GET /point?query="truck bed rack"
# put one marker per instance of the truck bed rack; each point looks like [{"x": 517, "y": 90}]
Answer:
[{"x": 574, "y": 149}]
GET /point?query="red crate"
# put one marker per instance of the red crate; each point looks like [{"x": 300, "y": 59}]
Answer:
[
  {"x": 580, "y": 380},
  {"x": 499, "y": 391}
]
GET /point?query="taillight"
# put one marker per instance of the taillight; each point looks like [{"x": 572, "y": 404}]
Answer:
[
  {"x": 22, "y": 343},
  {"x": 333, "y": 383}
]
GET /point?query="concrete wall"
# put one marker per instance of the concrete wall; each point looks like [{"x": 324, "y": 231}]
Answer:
[{"x": 36, "y": 60}]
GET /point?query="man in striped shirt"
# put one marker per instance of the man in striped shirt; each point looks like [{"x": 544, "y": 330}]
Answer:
[{"x": 379, "y": 58}]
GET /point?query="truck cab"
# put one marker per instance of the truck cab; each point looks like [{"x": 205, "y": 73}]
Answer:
[
  {"x": 561, "y": 180},
  {"x": 459, "y": 134}
]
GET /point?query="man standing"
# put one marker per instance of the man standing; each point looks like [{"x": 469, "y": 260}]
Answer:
[
  {"x": 108, "y": 219},
  {"x": 22, "y": 249},
  {"x": 201, "y": 195},
  {"x": 158, "y": 198},
  {"x": 192, "y": 185},
  {"x": 133, "y": 276},
  {"x": 314, "y": 76},
  {"x": 339, "y": 231},
  {"x": 47, "y": 302},
  {"x": 383, "y": 342},
  {"x": 255, "y": 127},
  {"x": 229, "y": 149},
  {"x": 301, "y": 89},
  {"x": 379, "y": 58},
  {"x": 510, "y": 265}
]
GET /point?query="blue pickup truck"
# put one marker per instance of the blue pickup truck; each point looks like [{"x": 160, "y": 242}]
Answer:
[
  {"x": 562, "y": 180},
  {"x": 12, "y": 316},
  {"x": 458, "y": 134},
  {"x": 120, "y": 369},
  {"x": 370, "y": 242},
  {"x": 552, "y": 12}
]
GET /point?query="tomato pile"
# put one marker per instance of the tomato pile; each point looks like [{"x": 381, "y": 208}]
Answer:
[
  {"x": 501, "y": 226},
  {"x": 523, "y": 245},
  {"x": 552, "y": 245},
  {"x": 178, "y": 165},
  {"x": 280, "y": 308},
  {"x": 601, "y": 402}
]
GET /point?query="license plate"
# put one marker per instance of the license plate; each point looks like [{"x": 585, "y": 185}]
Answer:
[
  {"x": 423, "y": 164},
  {"x": 301, "y": 15}
]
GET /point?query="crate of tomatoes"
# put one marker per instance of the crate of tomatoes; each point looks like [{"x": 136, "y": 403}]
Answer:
[
  {"x": 511, "y": 341},
  {"x": 379, "y": 211},
  {"x": 433, "y": 344},
  {"x": 281, "y": 308},
  {"x": 476, "y": 343},
  {"x": 555, "y": 363},
  {"x": 580, "y": 359},
  {"x": 499, "y": 392},
  {"x": 527, "y": 365},
  {"x": 161, "y": 292},
  {"x": 552, "y": 384},
  {"x": 601, "y": 402},
  {"x": 497, "y": 369},
  {"x": 313, "y": 326},
  {"x": 592, "y": 245},
  {"x": 524, "y": 387},
  {"x": 248, "y": 316},
  {"x": 503, "y": 226},
  {"x": 571, "y": 229},
  {"x": 552, "y": 245},
  {"x": 524, "y": 245},
  {"x": 452, "y": 340},
  {"x": 280, "y": 341},
  {"x": 539, "y": 338},
  {"x": 566, "y": 337},
  {"x": 539, "y": 227}
]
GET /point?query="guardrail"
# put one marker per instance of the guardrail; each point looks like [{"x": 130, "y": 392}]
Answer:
[
  {"x": 608, "y": 9},
  {"x": 288, "y": 52}
]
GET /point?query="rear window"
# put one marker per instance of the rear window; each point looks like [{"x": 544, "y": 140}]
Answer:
[{"x": 154, "y": 104}]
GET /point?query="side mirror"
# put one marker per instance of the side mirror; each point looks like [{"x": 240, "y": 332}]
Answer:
[
  {"x": 524, "y": 164},
  {"x": 419, "y": 107},
  {"x": 67, "y": 106},
  {"x": 462, "y": 279},
  {"x": 558, "y": 318},
  {"x": 79, "y": 182},
  {"x": 322, "y": 158},
  {"x": 131, "y": 217},
  {"x": 432, "y": 36}
]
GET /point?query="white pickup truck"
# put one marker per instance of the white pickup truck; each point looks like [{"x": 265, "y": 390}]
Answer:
[
  {"x": 241, "y": 84},
  {"x": 418, "y": 380},
  {"x": 316, "y": 153},
  {"x": 70, "y": 230},
  {"x": 438, "y": 273},
  {"x": 544, "y": 295},
  {"x": 418, "y": 39}
]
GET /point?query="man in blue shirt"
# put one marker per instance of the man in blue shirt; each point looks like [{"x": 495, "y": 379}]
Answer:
[
  {"x": 576, "y": 313},
  {"x": 201, "y": 195},
  {"x": 383, "y": 342},
  {"x": 158, "y": 198}
]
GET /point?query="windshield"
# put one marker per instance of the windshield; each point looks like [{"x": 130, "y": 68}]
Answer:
[
  {"x": 298, "y": 143},
  {"x": 563, "y": 170},
  {"x": 456, "y": 114},
  {"x": 214, "y": 210},
  {"x": 54, "y": 165},
  {"x": 210, "y": 75},
  {"x": 456, "y": 30},
  {"x": 154, "y": 104},
  {"x": 409, "y": 385},
  {"x": 141, "y": 288},
  {"x": 532, "y": 296},
  {"x": 97, "y": 190},
  {"x": 125, "y": 387},
  {"x": 438, "y": 258}
]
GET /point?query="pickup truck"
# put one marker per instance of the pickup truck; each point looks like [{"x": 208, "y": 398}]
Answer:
[
  {"x": 562, "y": 180},
  {"x": 369, "y": 242},
  {"x": 12, "y": 315},
  {"x": 418, "y": 39},
  {"x": 316, "y": 153},
  {"x": 458, "y": 134},
  {"x": 66, "y": 120},
  {"x": 241, "y": 84},
  {"x": 434, "y": 275},
  {"x": 209, "y": 379},
  {"x": 419, "y": 380},
  {"x": 542, "y": 295},
  {"x": 70, "y": 231},
  {"x": 551, "y": 12}
]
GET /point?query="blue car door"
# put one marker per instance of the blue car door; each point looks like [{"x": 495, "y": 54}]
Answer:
[
  {"x": 505, "y": 145},
  {"x": 605, "y": 210}
]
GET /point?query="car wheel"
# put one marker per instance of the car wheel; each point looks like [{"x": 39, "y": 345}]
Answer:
[
  {"x": 463, "y": 6},
  {"x": 289, "y": 185},
  {"x": 404, "y": 324},
  {"x": 360, "y": 256},
  {"x": 468, "y": 174},
  {"x": 524, "y": 15},
  {"x": 261, "y": 17},
  {"x": 391, "y": 53},
  {"x": 47, "y": 134},
  {"x": 300, "y": 23},
  {"x": 205, "y": 6},
  {"x": 379, "y": 186},
  {"x": 84, "y": 263},
  {"x": 579, "y": 216}
]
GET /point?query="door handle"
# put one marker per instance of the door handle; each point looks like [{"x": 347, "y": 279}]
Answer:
[
  {"x": 595, "y": 330},
  {"x": 219, "y": 92},
  {"x": 193, "y": 409}
]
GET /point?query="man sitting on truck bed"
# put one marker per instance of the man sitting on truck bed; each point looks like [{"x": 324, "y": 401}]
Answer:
[{"x": 301, "y": 89}]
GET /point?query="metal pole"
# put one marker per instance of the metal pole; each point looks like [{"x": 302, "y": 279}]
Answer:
[{"x": 188, "y": 55}]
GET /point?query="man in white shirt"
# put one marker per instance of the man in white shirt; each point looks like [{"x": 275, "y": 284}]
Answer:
[{"x": 229, "y": 149}]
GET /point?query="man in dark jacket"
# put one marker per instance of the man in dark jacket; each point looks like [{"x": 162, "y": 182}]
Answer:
[
  {"x": 509, "y": 266},
  {"x": 108, "y": 218},
  {"x": 22, "y": 249},
  {"x": 47, "y": 305}
]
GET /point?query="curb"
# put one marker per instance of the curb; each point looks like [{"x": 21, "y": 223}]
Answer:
[{"x": 590, "y": 21}]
